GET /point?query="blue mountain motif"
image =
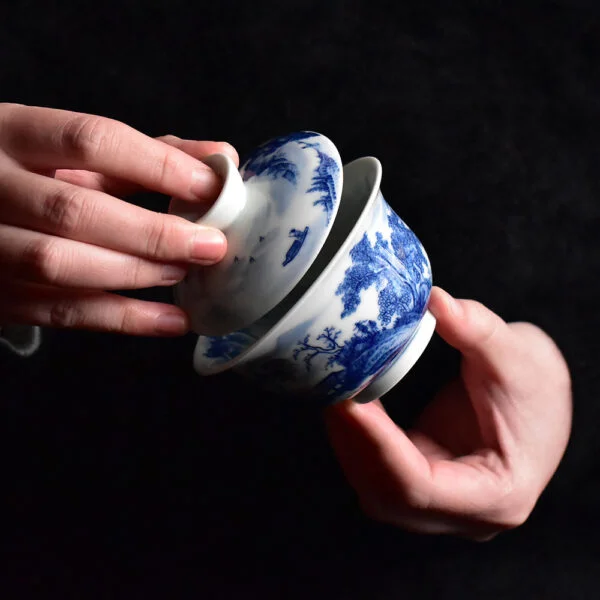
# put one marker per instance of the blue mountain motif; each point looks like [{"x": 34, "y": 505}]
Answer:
[
  {"x": 323, "y": 180},
  {"x": 227, "y": 347},
  {"x": 277, "y": 142},
  {"x": 270, "y": 160},
  {"x": 299, "y": 237},
  {"x": 400, "y": 272}
]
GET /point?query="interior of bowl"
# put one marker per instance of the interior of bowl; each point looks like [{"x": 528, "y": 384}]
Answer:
[{"x": 361, "y": 183}]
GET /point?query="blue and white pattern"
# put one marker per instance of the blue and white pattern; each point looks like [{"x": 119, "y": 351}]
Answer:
[
  {"x": 272, "y": 160},
  {"x": 224, "y": 348},
  {"x": 353, "y": 331},
  {"x": 323, "y": 180},
  {"x": 298, "y": 237},
  {"x": 293, "y": 185},
  {"x": 396, "y": 269}
]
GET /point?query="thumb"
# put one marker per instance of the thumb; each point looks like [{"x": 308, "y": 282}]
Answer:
[{"x": 474, "y": 330}]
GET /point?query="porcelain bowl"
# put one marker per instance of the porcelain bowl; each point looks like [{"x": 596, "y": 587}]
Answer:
[{"x": 358, "y": 319}]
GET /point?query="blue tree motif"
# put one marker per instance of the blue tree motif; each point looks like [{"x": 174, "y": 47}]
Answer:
[
  {"x": 363, "y": 273},
  {"x": 323, "y": 180},
  {"x": 329, "y": 347},
  {"x": 407, "y": 248},
  {"x": 366, "y": 353},
  {"x": 396, "y": 271},
  {"x": 269, "y": 159}
]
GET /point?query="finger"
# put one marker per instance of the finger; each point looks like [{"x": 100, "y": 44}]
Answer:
[
  {"x": 469, "y": 326},
  {"x": 44, "y": 138},
  {"x": 122, "y": 188},
  {"x": 200, "y": 149},
  {"x": 378, "y": 459},
  {"x": 35, "y": 202},
  {"x": 389, "y": 472},
  {"x": 52, "y": 260},
  {"x": 46, "y": 306}
]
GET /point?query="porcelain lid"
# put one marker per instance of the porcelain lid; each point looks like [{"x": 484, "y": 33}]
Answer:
[{"x": 276, "y": 213}]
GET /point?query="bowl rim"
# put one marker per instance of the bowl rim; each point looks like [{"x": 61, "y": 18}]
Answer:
[{"x": 274, "y": 330}]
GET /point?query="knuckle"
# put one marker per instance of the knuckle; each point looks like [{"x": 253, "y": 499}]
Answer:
[
  {"x": 550, "y": 359},
  {"x": 7, "y": 115},
  {"x": 160, "y": 238},
  {"x": 513, "y": 517},
  {"x": 485, "y": 322},
  {"x": 7, "y": 109},
  {"x": 65, "y": 314},
  {"x": 63, "y": 210},
  {"x": 414, "y": 498},
  {"x": 171, "y": 140},
  {"x": 85, "y": 136},
  {"x": 137, "y": 273},
  {"x": 42, "y": 261},
  {"x": 128, "y": 320},
  {"x": 513, "y": 510},
  {"x": 167, "y": 165},
  {"x": 5, "y": 180}
]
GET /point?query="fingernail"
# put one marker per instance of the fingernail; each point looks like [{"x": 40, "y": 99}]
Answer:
[
  {"x": 171, "y": 324},
  {"x": 208, "y": 246},
  {"x": 173, "y": 273},
  {"x": 206, "y": 184}
]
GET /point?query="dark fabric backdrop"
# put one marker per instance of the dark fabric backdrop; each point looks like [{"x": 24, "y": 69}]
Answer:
[{"x": 125, "y": 475}]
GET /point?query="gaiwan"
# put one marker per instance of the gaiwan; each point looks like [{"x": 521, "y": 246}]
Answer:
[{"x": 324, "y": 289}]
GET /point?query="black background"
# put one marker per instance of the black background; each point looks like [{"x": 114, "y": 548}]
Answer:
[{"x": 125, "y": 475}]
